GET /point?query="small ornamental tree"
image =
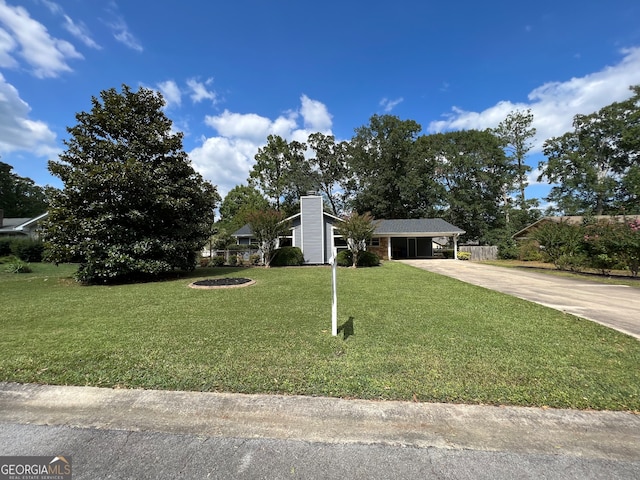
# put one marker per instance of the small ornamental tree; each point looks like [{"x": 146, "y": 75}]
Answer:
[
  {"x": 132, "y": 204},
  {"x": 357, "y": 230},
  {"x": 267, "y": 226}
]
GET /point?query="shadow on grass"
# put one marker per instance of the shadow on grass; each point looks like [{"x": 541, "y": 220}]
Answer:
[{"x": 346, "y": 329}]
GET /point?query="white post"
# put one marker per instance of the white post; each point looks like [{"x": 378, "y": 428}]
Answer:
[
  {"x": 455, "y": 246},
  {"x": 334, "y": 291}
]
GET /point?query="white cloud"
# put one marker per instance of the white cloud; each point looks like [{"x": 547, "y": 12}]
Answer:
[
  {"x": 53, "y": 7},
  {"x": 7, "y": 44},
  {"x": 389, "y": 105},
  {"x": 17, "y": 130},
  {"x": 46, "y": 55},
  {"x": 81, "y": 32},
  {"x": 554, "y": 104},
  {"x": 224, "y": 161},
  {"x": 171, "y": 93},
  {"x": 120, "y": 28},
  {"x": 200, "y": 92},
  {"x": 78, "y": 30},
  {"x": 248, "y": 126},
  {"x": 315, "y": 114},
  {"x": 227, "y": 159},
  {"x": 122, "y": 34}
]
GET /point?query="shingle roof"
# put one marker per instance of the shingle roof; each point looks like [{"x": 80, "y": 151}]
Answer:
[
  {"x": 418, "y": 226},
  {"x": 245, "y": 231}
]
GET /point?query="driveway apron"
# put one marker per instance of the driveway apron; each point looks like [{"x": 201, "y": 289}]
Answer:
[{"x": 615, "y": 306}]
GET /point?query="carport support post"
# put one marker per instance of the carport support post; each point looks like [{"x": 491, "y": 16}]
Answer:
[{"x": 455, "y": 246}]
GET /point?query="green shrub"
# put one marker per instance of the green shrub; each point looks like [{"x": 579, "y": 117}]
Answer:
[
  {"x": 217, "y": 261},
  {"x": 235, "y": 247},
  {"x": 5, "y": 247},
  {"x": 447, "y": 253},
  {"x": 18, "y": 266},
  {"x": 27, "y": 250},
  {"x": 464, "y": 255},
  {"x": 287, "y": 257},
  {"x": 365, "y": 259},
  {"x": 255, "y": 259},
  {"x": 508, "y": 250},
  {"x": 7, "y": 259},
  {"x": 529, "y": 251},
  {"x": 344, "y": 258}
]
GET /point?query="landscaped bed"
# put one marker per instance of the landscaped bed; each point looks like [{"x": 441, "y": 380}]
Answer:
[
  {"x": 413, "y": 335},
  {"x": 224, "y": 282}
]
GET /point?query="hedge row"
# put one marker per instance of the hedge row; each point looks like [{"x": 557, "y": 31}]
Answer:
[
  {"x": 25, "y": 249},
  {"x": 604, "y": 245}
]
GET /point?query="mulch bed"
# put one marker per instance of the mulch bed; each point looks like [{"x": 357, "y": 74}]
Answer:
[{"x": 226, "y": 282}]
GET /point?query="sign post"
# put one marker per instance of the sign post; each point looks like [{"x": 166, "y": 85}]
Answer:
[{"x": 334, "y": 291}]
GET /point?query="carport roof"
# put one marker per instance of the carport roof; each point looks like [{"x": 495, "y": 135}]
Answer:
[{"x": 432, "y": 227}]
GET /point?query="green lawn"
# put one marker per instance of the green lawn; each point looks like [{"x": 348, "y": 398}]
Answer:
[{"x": 409, "y": 334}]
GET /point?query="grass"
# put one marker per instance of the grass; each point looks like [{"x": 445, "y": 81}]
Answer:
[
  {"x": 407, "y": 334},
  {"x": 616, "y": 277}
]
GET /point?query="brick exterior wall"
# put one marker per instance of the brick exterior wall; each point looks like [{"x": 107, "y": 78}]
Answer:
[{"x": 383, "y": 250}]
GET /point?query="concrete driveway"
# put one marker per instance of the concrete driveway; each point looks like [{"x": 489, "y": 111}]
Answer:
[{"x": 615, "y": 306}]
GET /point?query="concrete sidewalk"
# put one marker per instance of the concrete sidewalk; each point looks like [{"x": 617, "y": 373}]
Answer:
[
  {"x": 584, "y": 434},
  {"x": 616, "y": 306}
]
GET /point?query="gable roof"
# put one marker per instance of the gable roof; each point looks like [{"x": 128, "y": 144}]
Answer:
[
  {"x": 20, "y": 224},
  {"x": 433, "y": 227}
]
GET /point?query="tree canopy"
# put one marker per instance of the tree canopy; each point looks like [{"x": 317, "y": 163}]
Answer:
[
  {"x": 20, "y": 196},
  {"x": 132, "y": 203},
  {"x": 595, "y": 168}
]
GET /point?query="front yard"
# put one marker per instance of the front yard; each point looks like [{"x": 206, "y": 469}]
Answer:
[{"x": 408, "y": 335}]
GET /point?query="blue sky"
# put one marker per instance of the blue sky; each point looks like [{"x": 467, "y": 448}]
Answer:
[{"x": 233, "y": 72}]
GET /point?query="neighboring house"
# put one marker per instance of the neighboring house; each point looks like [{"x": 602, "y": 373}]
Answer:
[
  {"x": 20, "y": 227},
  {"x": 525, "y": 233},
  {"x": 314, "y": 232}
]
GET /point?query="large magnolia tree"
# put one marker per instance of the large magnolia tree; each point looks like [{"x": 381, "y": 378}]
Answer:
[{"x": 132, "y": 204}]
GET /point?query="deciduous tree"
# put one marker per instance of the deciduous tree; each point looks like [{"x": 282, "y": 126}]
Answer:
[
  {"x": 380, "y": 158},
  {"x": 267, "y": 226},
  {"x": 595, "y": 168},
  {"x": 330, "y": 166},
  {"x": 20, "y": 196},
  {"x": 474, "y": 172},
  {"x": 357, "y": 230}
]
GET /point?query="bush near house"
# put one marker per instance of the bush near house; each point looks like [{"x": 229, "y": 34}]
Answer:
[
  {"x": 217, "y": 261},
  {"x": 27, "y": 250},
  {"x": 287, "y": 257},
  {"x": 464, "y": 255},
  {"x": 5, "y": 247},
  {"x": 365, "y": 259}
]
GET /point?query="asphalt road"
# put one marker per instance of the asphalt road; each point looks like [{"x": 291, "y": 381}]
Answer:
[{"x": 616, "y": 306}]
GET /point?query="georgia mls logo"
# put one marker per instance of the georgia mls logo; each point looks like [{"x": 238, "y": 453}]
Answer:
[{"x": 35, "y": 468}]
